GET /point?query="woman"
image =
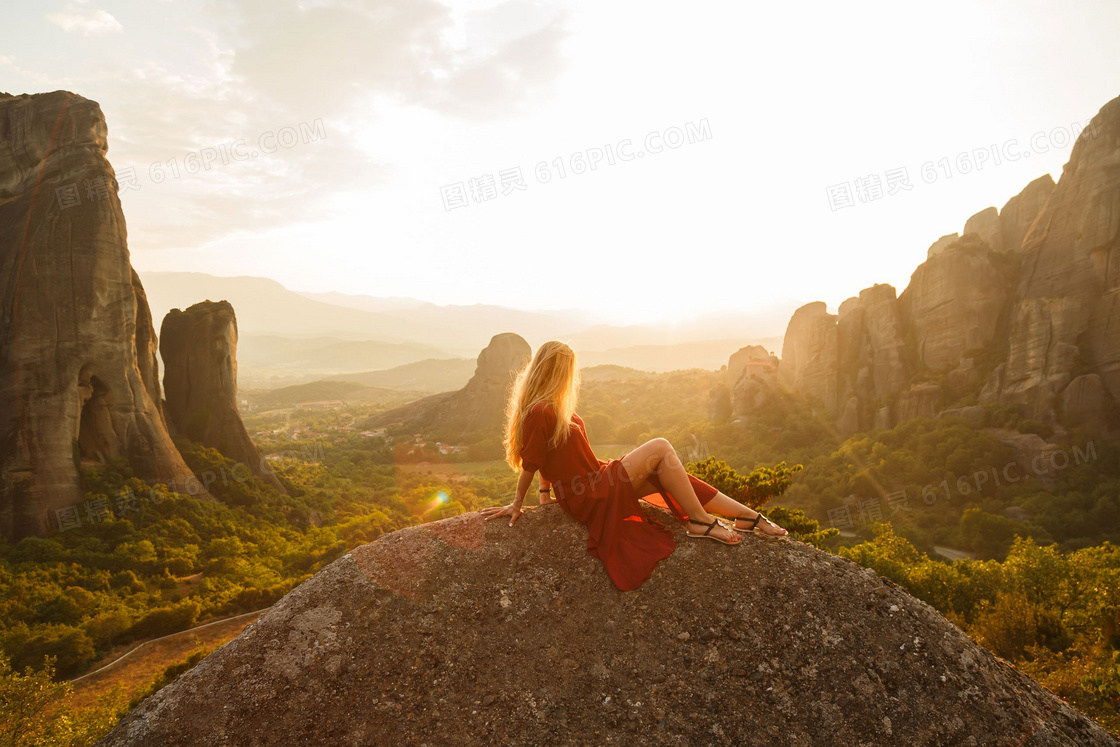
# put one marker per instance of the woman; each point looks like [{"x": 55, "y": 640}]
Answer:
[{"x": 544, "y": 434}]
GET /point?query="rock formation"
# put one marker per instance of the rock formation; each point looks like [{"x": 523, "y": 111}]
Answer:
[
  {"x": 986, "y": 226},
  {"x": 954, "y": 302},
  {"x": 1070, "y": 276},
  {"x": 79, "y": 376},
  {"x": 471, "y": 633},
  {"x": 1021, "y": 211},
  {"x": 719, "y": 404},
  {"x": 1025, "y": 302},
  {"x": 941, "y": 244},
  {"x": 809, "y": 354},
  {"x": 752, "y": 374},
  {"x": 850, "y": 361},
  {"x": 199, "y": 350},
  {"x": 477, "y": 408}
]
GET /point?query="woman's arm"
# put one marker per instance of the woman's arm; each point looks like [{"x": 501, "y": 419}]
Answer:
[{"x": 513, "y": 510}]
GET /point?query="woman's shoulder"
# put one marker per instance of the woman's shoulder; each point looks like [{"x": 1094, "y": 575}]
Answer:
[{"x": 542, "y": 409}]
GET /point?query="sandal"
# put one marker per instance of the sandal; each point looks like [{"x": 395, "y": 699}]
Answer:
[
  {"x": 753, "y": 529},
  {"x": 714, "y": 523}
]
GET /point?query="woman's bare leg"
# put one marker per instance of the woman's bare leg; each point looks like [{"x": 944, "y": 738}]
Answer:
[
  {"x": 725, "y": 505},
  {"x": 657, "y": 457}
]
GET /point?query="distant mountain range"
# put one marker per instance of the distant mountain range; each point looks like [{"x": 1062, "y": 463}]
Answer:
[{"x": 288, "y": 337}]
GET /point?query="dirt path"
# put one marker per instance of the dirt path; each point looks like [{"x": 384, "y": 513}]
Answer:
[{"x": 137, "y": 667}]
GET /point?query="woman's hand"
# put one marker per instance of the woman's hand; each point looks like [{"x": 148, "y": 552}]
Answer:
[{"x": 513, "y": 511}]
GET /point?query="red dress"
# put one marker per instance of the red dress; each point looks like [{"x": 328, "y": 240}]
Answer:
[{"x": 599, "y": 495}]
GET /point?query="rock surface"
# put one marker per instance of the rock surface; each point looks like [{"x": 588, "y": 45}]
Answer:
[
  {"x": 955, "y": 302},
  {"x": 986, "y": 225},
  {"x": 460, "y": 632},
  {"x": 199, "y": 350},
  {"x": 479, "y": 407},
  {"x": 851, "y": 360},
  {"x": 941, "y": 244},
  {"x": 752, "y": 373},
  {"x": 79, "y": 377},
  {"x": 1070, "y": 259},
  {"x": 809, "y": 353},
  {"x": 1021, "y": 211}
]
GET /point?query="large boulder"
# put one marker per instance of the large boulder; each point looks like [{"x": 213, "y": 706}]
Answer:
[
  {"x": 470, "y": 633},
  {"x": 79, "y": 375},
  {"x": 199, "y": 350}
]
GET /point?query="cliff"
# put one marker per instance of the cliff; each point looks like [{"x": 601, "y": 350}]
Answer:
[
  {"x": 79, "y": 376},
  {"x": 199, "y": 350},
  {"x": 460, "y": 632},
  {"x": 479, "y": 407},
  {"x": 1021, "y": 308}
]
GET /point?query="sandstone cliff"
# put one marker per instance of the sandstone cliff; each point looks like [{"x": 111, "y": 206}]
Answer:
[
  {"x": 79, "y": 376},
  {"x": 199, "y": 350},
  {"x": 1023, "y": 308},
  {"x": 465, "y": 633},
  {"x": 1068, "y": 287},
  {"x": 479, "y": 407}
]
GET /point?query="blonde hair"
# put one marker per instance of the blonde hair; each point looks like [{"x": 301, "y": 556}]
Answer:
[{"x": 551, "y": 376}]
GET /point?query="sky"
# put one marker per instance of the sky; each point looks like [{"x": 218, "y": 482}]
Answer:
[{"x": 639, "y": 161}]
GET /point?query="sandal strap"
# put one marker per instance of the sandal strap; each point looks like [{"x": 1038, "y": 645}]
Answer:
[
  {"x": 710, "y": 526},
  {"x": 753, "y": 519}
]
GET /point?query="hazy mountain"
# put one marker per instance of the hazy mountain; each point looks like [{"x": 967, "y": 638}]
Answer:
[
  {"x": 612, "y": 373},
  {"x": 327, "y": 355},
  {"x": 265, "y": 306},
  {"x": 757, "y": 327},
  {"x": 364, "y": 303},
  {"x": 707, "y": 354},
  {"x": 288, "y": 337},
  {"x": 442, "y": 375}
]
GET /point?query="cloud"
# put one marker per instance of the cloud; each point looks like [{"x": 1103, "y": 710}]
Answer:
[
  {"x": 330, "y": 58},
  {"x": 89, "y": 21},
  {"x": 243, "y": 68}
]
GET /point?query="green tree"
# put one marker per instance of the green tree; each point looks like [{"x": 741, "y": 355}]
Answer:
[
  {"x": 26, "y": 703},
  {"x": 69, "y": 647},
  {"x": 754, "y": 489}
]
